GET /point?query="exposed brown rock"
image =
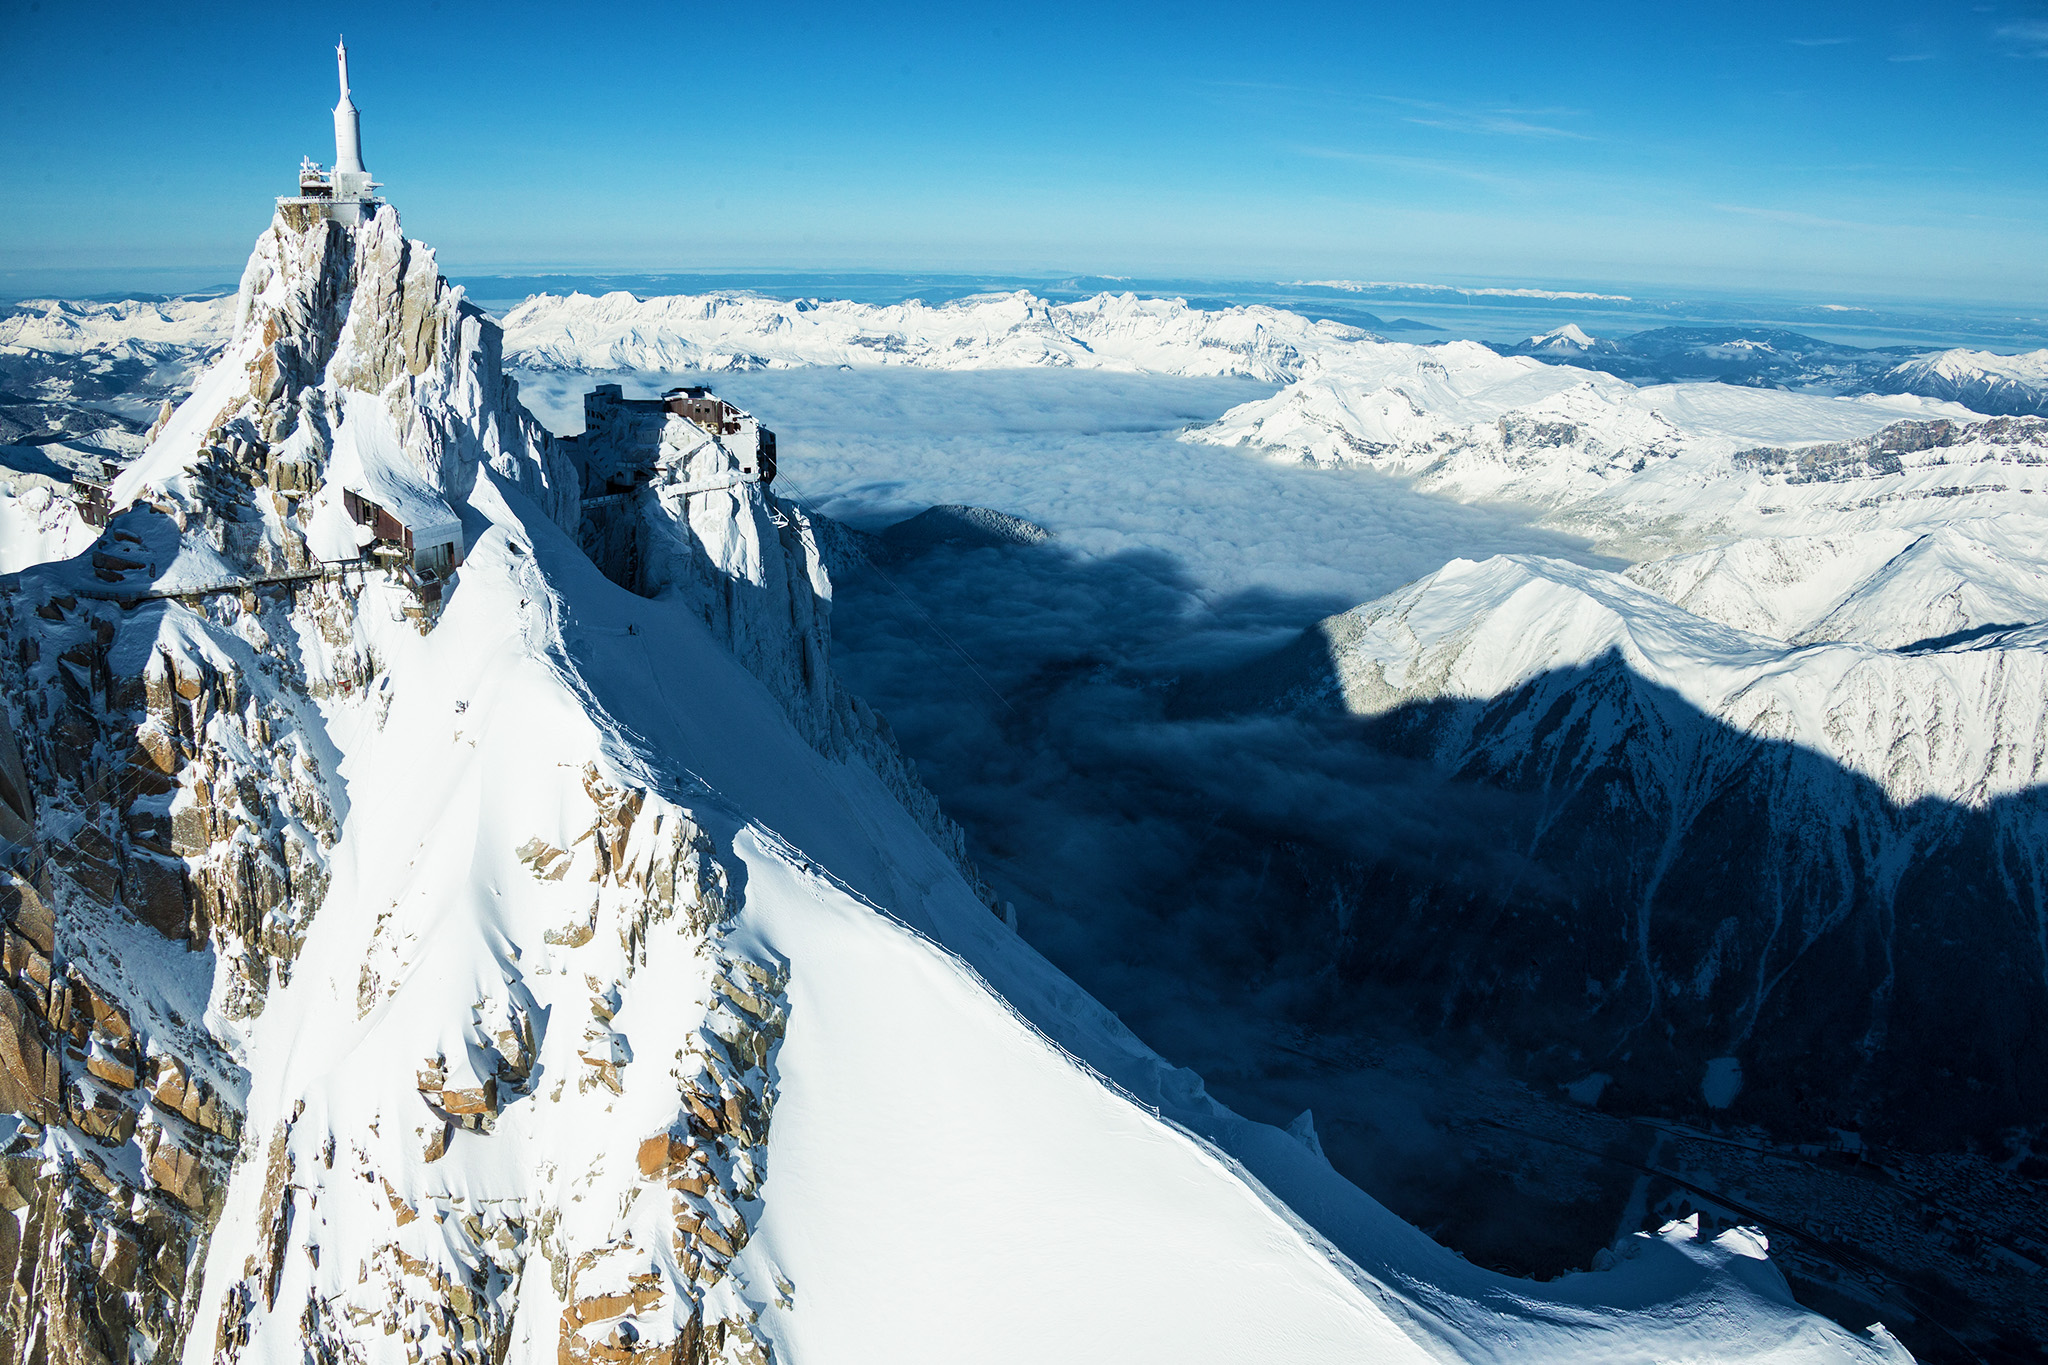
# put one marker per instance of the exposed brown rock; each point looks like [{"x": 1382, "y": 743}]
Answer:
[
  {"x": 99, "y": 878},
  {"x": 158, "y": 891},
  {"x": 100, "y": 1114},
  {"x": 23, "y": 962},
  {"x": 26, "y": 912},
  {"x": 547, "y": 862},
  {"x": 661, "y": 1152},
  {"x": 180, "y": 1173},
  {"x": 400, "y": 1210},
  {"x": 30, "y": 1079},
  {"x": 156, "y": 748},
  {"x": 121, "y": 1259},
  {"x": 17, "y": 800},
  {"x": 111, "y": 1067},
  {"x": 472, "y": 1100}
]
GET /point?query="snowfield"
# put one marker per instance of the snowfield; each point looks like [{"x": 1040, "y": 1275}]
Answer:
[
  {"x": 1476, "y": 424},
  {"x": 38, "y": 522},
  {"x": 1959, "y": 723},
  {"x": 1894, "y": 523}
]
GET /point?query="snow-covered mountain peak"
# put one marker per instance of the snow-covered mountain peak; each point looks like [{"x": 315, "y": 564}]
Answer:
[
  {"x": 1987, "y": 382},
  {"x": 1902, "y": 718},
  {"x": 1568, "y": 339},
  {"x": 328, "y": 311},
  {"x": 2029, "y": 366},
  {"x": 124, "y": 327}
]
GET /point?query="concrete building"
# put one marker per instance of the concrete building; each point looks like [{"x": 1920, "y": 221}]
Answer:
[
  {"x": 402, "y": 523},
  {"x": 424, "y": 535},
  {"x": 621, "y": 451},
  {"x": 756, "y": 448},
  {"x": 621, "y": 435}
]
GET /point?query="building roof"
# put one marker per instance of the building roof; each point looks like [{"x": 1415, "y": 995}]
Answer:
[{"x": 369, "y": 462}]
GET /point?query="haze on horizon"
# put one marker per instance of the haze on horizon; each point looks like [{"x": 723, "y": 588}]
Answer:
[{"x": 1886, "y": 149}]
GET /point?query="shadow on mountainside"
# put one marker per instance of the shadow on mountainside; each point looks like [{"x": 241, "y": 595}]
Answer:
[
  {"x": 1692, "y": 891},
  {"x": 1484, "y": 941}
]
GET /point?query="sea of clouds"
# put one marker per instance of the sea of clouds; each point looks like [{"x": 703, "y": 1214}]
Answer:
[{"x": 1157, "y": 856}]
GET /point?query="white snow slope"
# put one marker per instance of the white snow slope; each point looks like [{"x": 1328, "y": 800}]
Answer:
[
  {"x": 38, "y": 521},
  {"x": 630, "y": 1027},
  {"x": 143, "y": 329},
  {"x": 1475, "y": 424},
  {"x": 945, "y": 1173}
]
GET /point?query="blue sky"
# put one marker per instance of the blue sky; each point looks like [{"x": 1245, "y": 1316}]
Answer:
[{"x": 1874, "y": 149}]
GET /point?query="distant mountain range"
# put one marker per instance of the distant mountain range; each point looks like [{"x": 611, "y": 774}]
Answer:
[
  {"x": 1800, "y": 740},
  {"x": 1769, "y": 357}
]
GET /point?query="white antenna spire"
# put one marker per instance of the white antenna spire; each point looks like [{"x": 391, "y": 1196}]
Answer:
[
  {"x": 348, "y": 130},
  {"x": 346, "y": 194}
]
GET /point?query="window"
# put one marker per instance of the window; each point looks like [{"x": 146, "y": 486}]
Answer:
[{"x": 435, "y": 559}]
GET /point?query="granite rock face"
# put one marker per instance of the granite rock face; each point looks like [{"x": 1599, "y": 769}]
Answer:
[
  {"x": 170, "y": 806},
  {"x": 696, "y": 527}
]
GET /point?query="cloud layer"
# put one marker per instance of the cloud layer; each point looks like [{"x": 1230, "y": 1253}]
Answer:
[{"x": 1164, "y": 860}]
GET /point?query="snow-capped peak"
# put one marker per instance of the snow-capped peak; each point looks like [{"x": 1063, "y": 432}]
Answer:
[
  {"x": 1982, "y": 380},
  {"x": 1566, "y": 338}
]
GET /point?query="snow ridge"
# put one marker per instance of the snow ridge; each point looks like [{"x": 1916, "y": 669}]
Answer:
[
  {"x": 1803, "y": 730},
  {"x": 129, "y": 328},
  {"x": 731, "y": 331},
  {"x": 2010, "y": 385},
  {"x": 1386, "y": 286}
]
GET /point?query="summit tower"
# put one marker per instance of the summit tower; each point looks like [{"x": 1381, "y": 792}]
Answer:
[
  {"x": 345, "y": 194},
  {"x": 348, "y": 124}
]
